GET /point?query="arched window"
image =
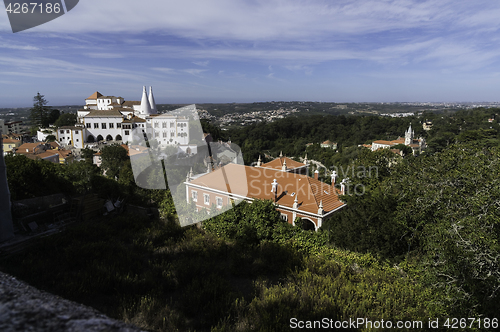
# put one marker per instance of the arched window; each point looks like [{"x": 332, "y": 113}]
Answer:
[
  {"x": 308, "y": 225},
  {"x": 109, "y": 138},
  {"x": 118, "y": 138},
  {"x": 91, "y": 139},
  {"x": 99, "y": 138}
]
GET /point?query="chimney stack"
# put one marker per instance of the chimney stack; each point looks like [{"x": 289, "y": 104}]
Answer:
[
  {"x": 342, "y": 186},
  {"x": 316, "y": 174},
  {"x": 334, "y": 177},
  {"x": 274, "y": 188}
]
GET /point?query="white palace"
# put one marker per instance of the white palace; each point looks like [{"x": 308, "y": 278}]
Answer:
[{"x": 110, "y": 118}]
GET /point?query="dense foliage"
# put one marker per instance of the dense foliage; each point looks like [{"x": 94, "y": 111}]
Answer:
[
  {"x": 290, "y": 135},
  {"x": 162, "y": 277},
  {"x": 419, "y": 238},
  {"x": 65, "y": 119},
  {"x": 440, "y": 210}
]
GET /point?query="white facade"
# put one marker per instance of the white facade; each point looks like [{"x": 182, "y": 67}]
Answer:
[
  {"x": 112, "y": 118},
  {"x": 41, "y": 135},
  {"x": 103, "y": 127},
  {"x": 73, "y": 136},
  {"x": 170, "y": 130}
]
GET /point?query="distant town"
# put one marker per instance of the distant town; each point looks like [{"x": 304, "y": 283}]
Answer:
[{"x": 16, "y": 120}]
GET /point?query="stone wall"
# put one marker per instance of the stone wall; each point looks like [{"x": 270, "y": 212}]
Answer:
[{"x": 25, "y": 308}]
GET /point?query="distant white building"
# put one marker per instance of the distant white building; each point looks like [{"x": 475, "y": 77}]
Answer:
[
  {"x": 13, "y": 127},
  {"x": 170, "y": 130},
  {"x": 417, "y": 145},
  {"x": 71, "y": 135},
  {"x": 110, "y": 118},
  {"x": 43, "y": 133}
]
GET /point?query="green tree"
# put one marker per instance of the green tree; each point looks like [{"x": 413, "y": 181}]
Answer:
[
  {"x": 81, "y": 175},
  {"x": 52, "y": 116},
  {"x": 65, "y": 119},
  {"x": 39, "y": 113},
  {"x": 406, "y": 149},
  {"x": 51, "y": 138},
  {"x": 88, "y": 154},
  {"x": 113, "y": 159}
]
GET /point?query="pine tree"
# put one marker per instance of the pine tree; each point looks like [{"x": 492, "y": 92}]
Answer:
[{"x": 39, "y": 112}]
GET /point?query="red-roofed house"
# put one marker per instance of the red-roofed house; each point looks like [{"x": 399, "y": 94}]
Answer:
[
  {"x": 286, "y": 164},
  {"x": 295, "y": 195},
  {"x": 10, "y": 144},
  {"x": 417, "y": 145}
]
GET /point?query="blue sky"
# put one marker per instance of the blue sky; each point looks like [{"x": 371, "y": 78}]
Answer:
[{"x": 195, "y": 51}]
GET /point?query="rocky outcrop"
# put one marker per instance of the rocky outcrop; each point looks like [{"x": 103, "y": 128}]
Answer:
[{"x": 25, "y": 308}]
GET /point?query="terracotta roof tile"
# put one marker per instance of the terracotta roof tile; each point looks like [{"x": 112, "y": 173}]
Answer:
[
  {"x": 278, "y": 163},
  {"x": 95, "y": 95},
  {"x": 131, "y": 103},
  {"x": 10, "y": 140},
  {"x": 255, "y": 182}
]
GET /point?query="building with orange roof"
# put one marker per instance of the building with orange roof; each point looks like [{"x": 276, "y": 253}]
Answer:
[
  {"x": 47, "y": 151},
  {"x": 135, "y": 150},
  {"x": 10, "y": 144},
  {"x": 329, "y": 144},
  {"x": 286, "y": 164},
  {"x": 295, "y": 195},
  {"x": 417, "y": 145},
  {"x": 65, "y": 156},
  {"x": 37, "y": 151},
  {"x": 97, "y": 159}
]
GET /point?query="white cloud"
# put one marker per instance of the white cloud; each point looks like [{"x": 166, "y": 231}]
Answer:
[
  {"x": 105, "y": 55},
  {"x": 53, "y": 68},
  {"x": 194, "y": 72},
  {"x": 164, "y": 70},
  {"x": 261, "y": 20},
  {"x": 201, "y": 63},
  {"x": 19, "y": 47}
]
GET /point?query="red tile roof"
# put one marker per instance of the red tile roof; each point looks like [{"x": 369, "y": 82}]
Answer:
[
  {"x": 95, "y": 95},
  {"x": 278, "y": 163},
  {"x": 10, "y": 141},
  {"x": 255, "y": 183},
  {"x": 134, "y": 149}
]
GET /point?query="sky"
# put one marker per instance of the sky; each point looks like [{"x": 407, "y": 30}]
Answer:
[{"x": 209, "y": 51}]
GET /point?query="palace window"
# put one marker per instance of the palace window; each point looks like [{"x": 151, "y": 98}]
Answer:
[
  {"x": 118, "y": 125},
  {"x": 194, "y": 196},
  {"x": 111, "y": 125},
  {"x": 206, "y": 199},
  {"x": 103, "y": 125},
  {"x": 219, "y": 202},
  {"x": 96, "y": 126}
]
